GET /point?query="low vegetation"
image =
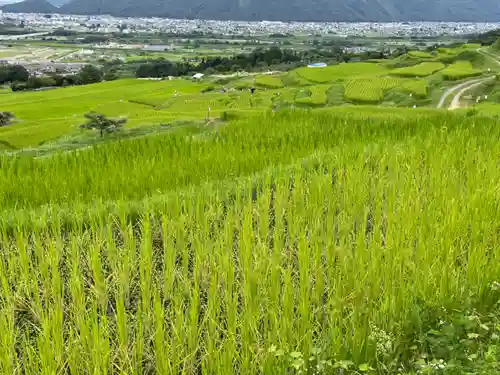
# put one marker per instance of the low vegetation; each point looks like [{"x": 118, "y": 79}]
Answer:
[
  {"x": 421, "y": 70},
  {"x": 291, "y": 223},
  {"x": 269, "y": 82},
  {"x": 283, "y": 243},
  {"x": 460, "y": 70},
  {"x": 368, "y": 90},
  {"x": 332, "y": 73}
]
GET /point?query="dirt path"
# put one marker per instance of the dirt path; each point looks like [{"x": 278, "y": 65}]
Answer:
[
  {"x": 491, "y": 55},
  {"x": 458, "y": 87},
  {"x": 465, "y": 86},
  {"x": 455, "y": 103}
]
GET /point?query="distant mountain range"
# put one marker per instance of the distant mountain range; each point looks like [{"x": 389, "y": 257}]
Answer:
[
  {"x": 30, "y": 6},
  {"x": 274, "y": 10}
]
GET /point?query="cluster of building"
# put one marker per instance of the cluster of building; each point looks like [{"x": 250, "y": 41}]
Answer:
[{"x": 107, "y": 24}]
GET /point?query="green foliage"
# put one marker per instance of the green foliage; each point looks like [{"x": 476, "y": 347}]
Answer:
[
  {"x": 421, "y": 70},
  {"x": 367, "y": 90},
  {"x": 317, "y": 96},
  {"x": 460, "y": 70},
  {"x": 496, "y": 45},
  {"x": 419, "y": 88},
  {"x": 90, "y": 74},
  {"x": 332, "y": 73},
  {"x": 276, "y": 244},
  {"x": 421, "y": 54},
  {"x": 13, "y": 73},
  {"x": 269, "y": 82},
  {"x": 372, "y": 90},
  {"x": 102, "y": 124},
  {"x": 6, "y": 118}
]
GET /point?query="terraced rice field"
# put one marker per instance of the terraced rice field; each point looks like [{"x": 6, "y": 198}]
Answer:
[
  {"x": 421, "y": 54},
  {"x": 368, "y": 89},
  {"x": 341, "y": 71},
  {"x": 344, "y": 240},
  {"x": 460, "y": 70},
  {"x": 317, "y": 96},
  {"x": 421, "y": 70},
  {"x": 420, "y": 88},
  {"x": 272, "y": 82},
  {"x": 42, "y": 116},
  {"x": 372, "y": 90}
]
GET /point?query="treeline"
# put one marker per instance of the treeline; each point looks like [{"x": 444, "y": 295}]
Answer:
[
  {"x": 19, "y": 78},
  {"x": 13, "y": 73},
  {"x": 486, "y": 39},
  {"x": 257, "y": 59},
  {"x": 52, "y": 81}
]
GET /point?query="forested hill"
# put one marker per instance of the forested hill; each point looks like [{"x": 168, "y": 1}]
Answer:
[
  {"x": 288, "y": 10},
  {"x": 30, "y": 6}
]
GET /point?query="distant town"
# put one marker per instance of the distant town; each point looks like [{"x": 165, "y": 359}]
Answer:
[{"x": 108, "y": 24}]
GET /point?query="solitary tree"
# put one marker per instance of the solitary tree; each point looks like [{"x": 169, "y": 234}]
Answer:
[
  {"x": 6, "y": 118},
  {"x": 99, "y": 122}
]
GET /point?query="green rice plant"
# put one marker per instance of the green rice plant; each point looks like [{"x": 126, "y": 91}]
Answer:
[
  {"x": 421, "y": 54},
  {"x": 346, "y": 239},
  {"x": 420, "y": 88},
  {"x": 341, "y": 71},
  {"x": 268, "y": 81},
  {"x": 367, "y": 90},
  {"x": 317, "y": 97},
  {"x": 460, "y": 70},
  {"x": 421, "y": 70},
  {"x": 47, "y": 115}
]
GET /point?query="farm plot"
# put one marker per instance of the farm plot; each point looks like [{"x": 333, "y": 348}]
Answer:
[
  {"x": 268, "y": 81},
  {"x": 368, "y": 90},
  {"x": 460, "y": 70},
  {"x": 318, "y": 96},
  {"x": 372, "y": 90},
  {"x": 420, "y": 88},
  {"x": 56, "y": 112},
  {"x": 421, "y": 70},
  {"x": 421, "y": 54},
  {"x": 332, "y": 73},
  {"x": 353, "y": 241}
]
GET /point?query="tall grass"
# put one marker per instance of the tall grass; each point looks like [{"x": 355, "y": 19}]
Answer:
[{"x": 303, "y": 232}]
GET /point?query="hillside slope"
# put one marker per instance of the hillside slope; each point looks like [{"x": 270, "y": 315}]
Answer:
[
  {"x": 274, "y": 10},
  {"x": 30, "y": 6},
  {"x": 299, "y": 10}
]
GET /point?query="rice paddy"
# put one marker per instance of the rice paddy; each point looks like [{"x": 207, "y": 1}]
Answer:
[
  {"x": 372, "y": 90},
  {"x": 421, "y": 70},
  {"x": 303, "y": 235},
  {"x": 368, "y": 89},
  {"x": 327, "y": 237},
  {"x": 341, "y": 71},
  {"x": 460, "y": 70},
  {"x": 269, "y": 82}
]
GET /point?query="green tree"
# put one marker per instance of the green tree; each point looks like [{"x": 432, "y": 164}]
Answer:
[
  {"x": 13, "y": 73},
  {"x": 6, "y": 118},
  {"x": 99, "y": 122},
  {"x": 110, "y": 76},
  {"x": 90, "y": 74},
  {"x": 496, "y": 45}
]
